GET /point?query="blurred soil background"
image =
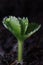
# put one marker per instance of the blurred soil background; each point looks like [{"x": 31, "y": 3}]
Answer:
[{"x": 33, "y": 46}]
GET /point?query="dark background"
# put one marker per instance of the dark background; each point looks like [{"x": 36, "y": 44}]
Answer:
[{"x": 33, "y": 46}]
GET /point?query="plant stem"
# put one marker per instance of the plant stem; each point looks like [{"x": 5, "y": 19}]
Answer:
[{"x": 20, "y": 51}]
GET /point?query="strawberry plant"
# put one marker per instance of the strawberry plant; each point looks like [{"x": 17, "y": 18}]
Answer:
[{"x": 21, "y": 29}]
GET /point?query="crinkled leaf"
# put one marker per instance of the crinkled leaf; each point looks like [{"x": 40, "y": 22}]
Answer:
[
  {"x": 20, "y": 27},
  {"x": 12, "y": 24},
  {"x": 24, "y": 24},
  {"x": 32, "y": 28}
]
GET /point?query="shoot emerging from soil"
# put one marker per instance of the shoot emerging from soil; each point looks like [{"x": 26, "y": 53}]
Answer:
[{"x": 21, "y": 29}]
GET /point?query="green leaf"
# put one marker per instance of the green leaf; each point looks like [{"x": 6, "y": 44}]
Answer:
[
  {"x": 24, "y": 24},
  {"x": 20, "y": 27},
  {"x": 12, "y": 24},
  {"x": 32, "y": 28}
]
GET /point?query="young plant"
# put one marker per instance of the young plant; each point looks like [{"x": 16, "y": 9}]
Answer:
[{"x": 21, "y": 29}]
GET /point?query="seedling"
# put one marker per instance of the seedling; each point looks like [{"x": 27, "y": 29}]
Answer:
[{"x": 21, "y": 29}]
